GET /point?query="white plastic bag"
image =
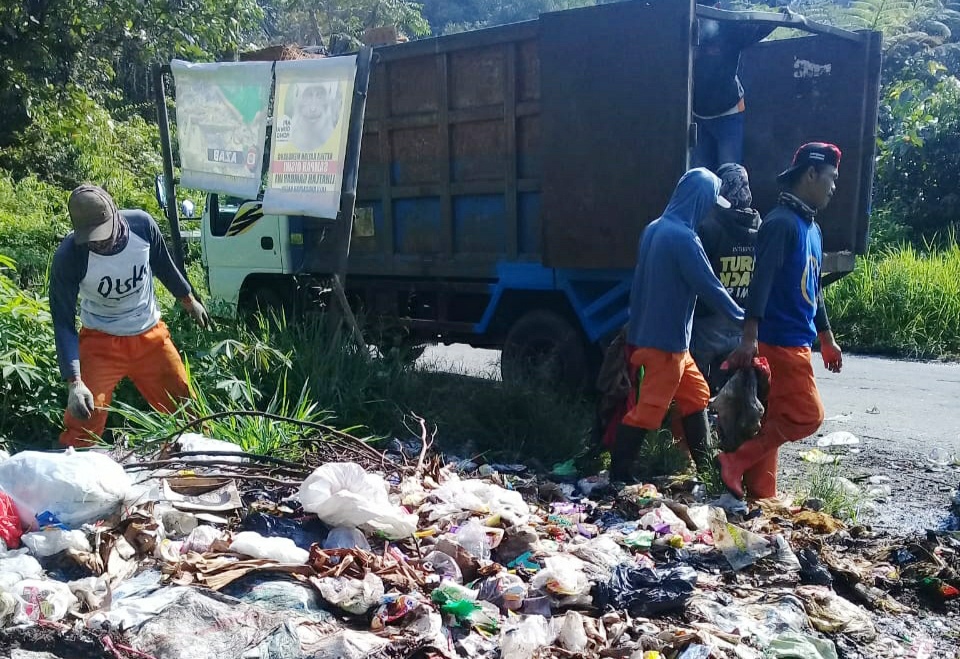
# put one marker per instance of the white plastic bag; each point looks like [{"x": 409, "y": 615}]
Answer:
[
  {"x": 17, "y": 566},
  {"x": 53, "y": 541},
  {"x": 352, "y": 595},
  {"x": 46, "y": 599},
  {"x": 473, "y": 538},
  {"x": 282, "y": 550},
  {"x": 573, "y": 637},
  {"x": 191, "y": 441},
  {"x": 478, "y": 496},
  {"x": 344, "y": 494},
  {"x": 200, "y": 540},
  {"x": 76, "y": 488},
  {"x": 522, "y": 636},
  {"x": 740, "y": 547}
]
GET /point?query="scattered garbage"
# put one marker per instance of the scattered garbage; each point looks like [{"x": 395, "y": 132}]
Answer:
[
  {"x": 72, "y": 488},
  {"x": 191, "y": 442},
  {"x": 420, "y": 561}
]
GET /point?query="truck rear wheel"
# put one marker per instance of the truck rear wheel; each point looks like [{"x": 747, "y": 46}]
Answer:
[{"x": 544, "y": 348}]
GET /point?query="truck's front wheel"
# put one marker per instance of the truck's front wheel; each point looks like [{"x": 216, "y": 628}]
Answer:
[{"x": 544, "y": 348}]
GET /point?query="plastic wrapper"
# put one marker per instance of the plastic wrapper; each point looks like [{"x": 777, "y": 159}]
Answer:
[
  {"x": 647, "y": 592},
  {"x": 801, "y": 646},
  {"x": 191, "y": 441},
  {"x": 278, "y": 595},
  {"x": 506, "y": 591},
  {"x": 53, "y": 541},
  {"x": 201, "y": 540},
  {"x": 395, "y": 607},
  {"x": 473, "y": 538},
  {"x": 75, "y": 488},
  {"x": 458, "y": 496},
  {"x": 521, "y": 637},
  {"x": 573, "y": 637},
  {"x": 664, "y": 521},
  {"x": 443, "y": 566},
  {"x": 43, "y": 600},
  {"x": 343, "y": 537},
  {"x": 281, "y": 550},
  {"x": 352, "y": 595},
  {"x": 10, "y": 531},
  {"x": 741, "y": 548},
  {"x": 832, "y": 614},
  {"x": 344, "y": 494}
]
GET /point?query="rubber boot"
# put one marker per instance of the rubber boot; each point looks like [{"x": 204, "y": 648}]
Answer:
[
  {"x": 626, "y": 450},
  {"x": 734, "y": 464},
  {"x": 696, "y": 430}
]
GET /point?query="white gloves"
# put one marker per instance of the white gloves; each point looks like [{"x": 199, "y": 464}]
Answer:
[
  {"x": 196, "y": 310},
  {"x": 80, "y": 401}
]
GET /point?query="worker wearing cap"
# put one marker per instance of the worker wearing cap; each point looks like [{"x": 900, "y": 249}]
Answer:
[
  {"x": 108, "y": 263},
  {"x": 672, "y": 271},
  {"x": 785, "y": 315}
]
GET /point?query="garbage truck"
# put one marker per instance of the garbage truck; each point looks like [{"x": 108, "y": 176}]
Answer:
[{"x": 505, "y": 175}]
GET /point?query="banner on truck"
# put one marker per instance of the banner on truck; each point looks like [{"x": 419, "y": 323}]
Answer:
[
  {"x": 222, "y": 124},
  {"x": 311, "y": 120}
]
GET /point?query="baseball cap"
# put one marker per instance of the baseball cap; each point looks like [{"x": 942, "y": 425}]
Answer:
[
  {"x": 93, "y": 213},
  {"x": 811, "y": 153}
]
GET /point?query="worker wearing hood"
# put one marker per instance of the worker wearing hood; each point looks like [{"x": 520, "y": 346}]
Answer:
[{"x": 672, "y": 272}]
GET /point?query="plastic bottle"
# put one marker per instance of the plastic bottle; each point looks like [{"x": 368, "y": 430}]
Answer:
[
  {"x": 473, "y": 538},
  {"x": 344, "y": 537}
]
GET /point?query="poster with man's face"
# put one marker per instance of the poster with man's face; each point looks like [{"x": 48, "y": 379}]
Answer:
[{"x": 312, "y": 111}]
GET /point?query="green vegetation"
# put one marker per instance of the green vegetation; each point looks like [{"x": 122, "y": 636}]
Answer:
[
  {"x": 901, "y": 301},
  {"x": 840, "y": 498}
]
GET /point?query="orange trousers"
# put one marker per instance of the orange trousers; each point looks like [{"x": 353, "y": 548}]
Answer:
[
  {"x": 794, "y": 412},
  {"x": 149, "y": 359},
  {"x": 664, "y": 377}
]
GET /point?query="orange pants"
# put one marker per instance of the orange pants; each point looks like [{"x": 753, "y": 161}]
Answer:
[
  {"x": 666, "y": 377},
  {"x": 794, "y": 412},
  {"x": 149, "y": 359}
]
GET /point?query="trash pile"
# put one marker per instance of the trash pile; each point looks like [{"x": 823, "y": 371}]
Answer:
[{"x": 210, "y": 552}]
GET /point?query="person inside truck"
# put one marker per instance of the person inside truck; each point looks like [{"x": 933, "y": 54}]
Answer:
[
  {"x": 718, "y": 98},
  {"x": 108, "y": 263},
  {"x": 672, "y": 271},
  {"x": 785, "y": 315},
  {"x": 728, "y": 237}
]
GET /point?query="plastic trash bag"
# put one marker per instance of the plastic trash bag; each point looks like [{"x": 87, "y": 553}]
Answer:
[
  {"x": 442, "y": 565},
  {"x": 135, "y": 609},
  {"x": 42, "y": 600},
  {"x": 201, "y": 539},
  {"x": 53, "y": 541},
  {"x": 573, "y": 637},
  {"x": 562, "y": 577},
  {"x": 278, "y": 595},
  {"x": 739, "y": 405},
  {"x": 352, "y": 595},
  {"x": 76, "y": 488},
  {"x": 801, "y": 646},
  {"x": 812, "y": 569},
  {"x": 740, "y": 547},
  {"x": 17, "y": 566},
  {"x": 281, "y": 550},
  {"x": 346, "y": 538},
  {"x": 831, "y": 614},
  {"x": 204, "y": 625},
  {"x": 344, "y": 494},
  {"x": 9, "y": 522},
  {"x": 763, "y": 621},
  {"x": 473, "y": 538},
  {"x": 522, "y": 636},
  {"x": 457, "y": 496},
  {"x": 647, "y": 592},
  {"x": 663, "y": 520},
  {"x": 304, "y": 532},
  {"x": 191, "y": 441},
  {"x": 506, "y": 591}
]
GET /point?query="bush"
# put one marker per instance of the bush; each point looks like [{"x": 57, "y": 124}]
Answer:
[
  {"x": 902, "y": 301},
  {"x": 33, "y": 219}
]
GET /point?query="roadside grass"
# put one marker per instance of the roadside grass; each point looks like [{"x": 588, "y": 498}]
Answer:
[
  {"x": 825, "y": 483},
  {"x": 901, "y": 301}
]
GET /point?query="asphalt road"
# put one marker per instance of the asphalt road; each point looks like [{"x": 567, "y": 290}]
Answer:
[{"x": 902, "y": 411}]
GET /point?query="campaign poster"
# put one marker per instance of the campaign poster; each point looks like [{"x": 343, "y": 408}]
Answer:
[
  {"x": 222, "y": 111},
  {"x": 312, "y": 105}
]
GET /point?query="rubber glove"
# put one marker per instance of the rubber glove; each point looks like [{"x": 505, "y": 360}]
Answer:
[
  {"x": 80, "y": 400},
  {"x": 196, "y": 310}
]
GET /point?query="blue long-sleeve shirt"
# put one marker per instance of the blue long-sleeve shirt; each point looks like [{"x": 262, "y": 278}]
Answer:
[{"x": 673, "y": 271}]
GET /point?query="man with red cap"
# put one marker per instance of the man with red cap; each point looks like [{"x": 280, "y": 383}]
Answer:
[
  {"x": 785, "y": 314},
  {"x": 108, "y": 262}
]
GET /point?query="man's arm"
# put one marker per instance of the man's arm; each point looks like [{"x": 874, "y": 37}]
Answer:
[
  {"x": 66, "y": 272},
  {"x": 701, "y": 278},
  {"x": 829, "y": 349}
]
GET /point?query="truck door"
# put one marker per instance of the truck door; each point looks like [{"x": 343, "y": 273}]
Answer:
[
  {"x": 616, "y": 93},
  {"x": 239, "y": 240},
  {"x": 816, "y": 88}
]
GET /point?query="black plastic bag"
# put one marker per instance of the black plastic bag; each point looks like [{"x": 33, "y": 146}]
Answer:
[
  {"x": 304, "y": 532},
  {"x": 647, "y": 592},
  {"x": 812, "y": 570}
]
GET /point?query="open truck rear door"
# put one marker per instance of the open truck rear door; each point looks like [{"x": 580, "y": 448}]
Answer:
[
  {"x": 616, "y": 90},
  {"x": 816, "y": 88}
]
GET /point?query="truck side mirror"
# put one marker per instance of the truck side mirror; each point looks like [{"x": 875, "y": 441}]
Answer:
[{"x": 161, "y": 191}]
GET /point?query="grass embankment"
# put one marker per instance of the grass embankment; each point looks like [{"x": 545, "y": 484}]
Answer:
[{"x": 901, "y": 302}]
